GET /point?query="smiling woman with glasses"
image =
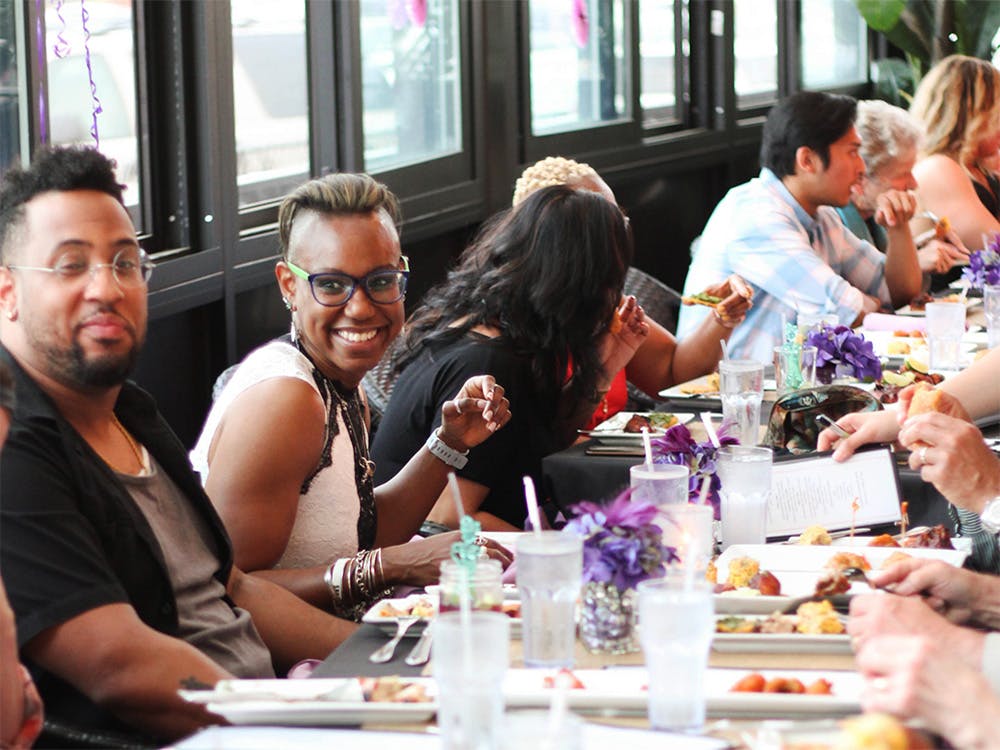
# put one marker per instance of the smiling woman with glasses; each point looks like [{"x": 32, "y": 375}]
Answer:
[{"x": 284, "y": 451}]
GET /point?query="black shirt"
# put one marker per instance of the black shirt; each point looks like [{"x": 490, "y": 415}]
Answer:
[
  {"x": 72, "y": 539},
  {"x": 505, "y": 457}
]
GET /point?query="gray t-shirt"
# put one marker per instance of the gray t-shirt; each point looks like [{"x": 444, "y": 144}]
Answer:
[{"x": 224, "y": 633}]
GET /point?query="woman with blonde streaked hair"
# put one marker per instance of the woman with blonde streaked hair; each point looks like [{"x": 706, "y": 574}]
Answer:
[
  {"x": 958, "y": 104},
  {"x": 661, "y": 360}
]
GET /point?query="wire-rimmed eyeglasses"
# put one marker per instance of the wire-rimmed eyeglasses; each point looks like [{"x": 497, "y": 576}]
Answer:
[
  {"x": 383, "y": 287},
  {"x": 130, "y": 268}
]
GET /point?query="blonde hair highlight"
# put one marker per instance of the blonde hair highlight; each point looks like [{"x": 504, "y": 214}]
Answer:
[
  {"x": 340, "y": 194},
  {"x": 552, "y": 170},
  {"x": 957, "y": 102}
]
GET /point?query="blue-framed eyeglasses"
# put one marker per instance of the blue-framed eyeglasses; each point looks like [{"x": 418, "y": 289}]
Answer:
[
  {"x": 335, "y": 289},
  {"x": 130, "y": 268}
]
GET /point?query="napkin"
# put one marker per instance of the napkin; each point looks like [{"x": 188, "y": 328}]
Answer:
[{"x": 884, "y": 322}]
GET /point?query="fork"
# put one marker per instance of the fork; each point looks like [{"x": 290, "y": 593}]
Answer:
[{"x": 385, "y": 653}]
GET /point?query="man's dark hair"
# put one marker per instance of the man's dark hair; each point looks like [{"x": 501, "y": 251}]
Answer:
[
  {"x": 53, "y": 169},
  {"x": 808, "y": 118}
]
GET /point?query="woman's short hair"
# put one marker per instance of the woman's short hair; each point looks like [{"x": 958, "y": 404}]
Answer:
[
  {"x": 552, "y": 170},
  {"x": 336, "y": 194},
  {"x": 958, "y": 103},
  {"x": 887, "y": 132}
]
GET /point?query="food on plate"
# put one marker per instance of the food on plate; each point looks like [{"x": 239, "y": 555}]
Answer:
[
  {"x": 874, "y": 731},
  {"x": 884, "y": 540},
  {"x": 811, "y": 618},
  {"x": 920, "y": 302},
  {"x": 711, "y": 385},
  {"x": 756, "y": 683},
  {"x": 894, "y": 558},
  {"x": 891, "y": 383},
  {"x": 654, "y": 422},
  {"x": 915, "y": 334},
  {"x": 980, "y": 354},
  {"x": 712, "y": 572},
  {"x": 935, "y": 537},
  {"x": 843, "y": 560},
  {"x": 422, "y": 607},
  {"x": 392, "y": 690},
  {"x": 831, "y": 583},
  {"x": 766, "y": 583},
  {"x": 815, "y": 535},
  {"x": 897, "y": 347},
  {"x": 572, "y": 681},
  {"x": 511, "y": 609},
  {"x": 701, "y": 298},
  {"x": 818, "y": 618},
  {"x": 741, "y": 570}
]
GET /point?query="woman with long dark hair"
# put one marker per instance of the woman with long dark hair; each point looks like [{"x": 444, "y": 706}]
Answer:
[{"x": 536, "y": 302}]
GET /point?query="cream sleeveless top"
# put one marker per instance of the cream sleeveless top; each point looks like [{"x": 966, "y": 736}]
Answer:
[{"x": 326, "y": 522}]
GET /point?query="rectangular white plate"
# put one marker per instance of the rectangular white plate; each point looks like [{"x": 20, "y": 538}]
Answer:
[
  {"x": 918, "y": 346},
  {"x": 624, "y": 690},
  {"x": 784, "y": 558},
  {"x": 610, "y": 431},
  {"x": 388, "y": 624},
  {"x": 781, "y": 643},
  {"x": 305, "y": 703},
  {"x": 970, "y": 302}
]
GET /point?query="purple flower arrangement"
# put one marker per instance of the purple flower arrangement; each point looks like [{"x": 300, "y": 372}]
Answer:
[
  {"x": 841, "y": 353},
  {"x": 621, "y": 543},
  {"x": 984, "y": 265},
  {"x": 678, "y": 447}
]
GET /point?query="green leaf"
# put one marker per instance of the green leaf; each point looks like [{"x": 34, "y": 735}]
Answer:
[
  {"x": 980, "y": 23},
  {"x": 881, "y": 15}
]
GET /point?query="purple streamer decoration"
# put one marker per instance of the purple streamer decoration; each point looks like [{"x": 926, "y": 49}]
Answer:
[
  {"x": 61, "y": 47},
  {"x": 43, "y": 120},
  {"x": 84, "y": 17}
]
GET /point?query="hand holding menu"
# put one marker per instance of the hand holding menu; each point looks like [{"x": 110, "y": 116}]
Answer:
[{"x": 815, "y": 489}]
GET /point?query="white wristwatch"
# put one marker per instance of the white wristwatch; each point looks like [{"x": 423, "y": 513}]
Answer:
[
  {"x": 990, "y": 516},
  {"x": 439, "y": 449}
]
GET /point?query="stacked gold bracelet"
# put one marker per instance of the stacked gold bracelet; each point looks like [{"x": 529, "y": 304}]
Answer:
[{"x": 355, "y": 580}]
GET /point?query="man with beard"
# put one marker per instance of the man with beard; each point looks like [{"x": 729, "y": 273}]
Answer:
[
  {"x": 780, "y": 233},
  {"x": 119, "y": 572}
]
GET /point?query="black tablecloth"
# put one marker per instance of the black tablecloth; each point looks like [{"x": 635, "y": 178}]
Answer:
[{"x": 350, "y": 659}]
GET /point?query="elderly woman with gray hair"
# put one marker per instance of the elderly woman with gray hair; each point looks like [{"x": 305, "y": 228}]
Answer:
[{"x": 890, "y": 139}]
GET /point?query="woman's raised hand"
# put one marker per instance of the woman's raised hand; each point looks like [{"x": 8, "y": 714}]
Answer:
[
  {"x": 477, "y": 411},
  {"x": 624, "y": 336}
]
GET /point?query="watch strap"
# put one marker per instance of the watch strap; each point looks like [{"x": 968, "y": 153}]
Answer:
[{"x": 441, "y": 450}]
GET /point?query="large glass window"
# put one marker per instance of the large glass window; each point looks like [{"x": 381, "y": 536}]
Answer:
[
  {"x": 10, "y": 77},
  {"x": 578, "y": 66},
  {"x": 270, "y": 97},
  {"x": 657, "y": 60},
  {"x": 834, "y": 46},
  {"x": 91, "y": 82},
  {"x": 411, "y": 81},
  {"x": 756, "y": 48}
]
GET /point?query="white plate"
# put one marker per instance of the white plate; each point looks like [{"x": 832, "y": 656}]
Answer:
[
  {"x": 374, "y": 616},
  {"x": 327, "y": 702},
  {"x": 676, "y": 391},
  {"x": 735, "y": 604},
  {"x": 918, "y": 346},
  {"x": 610, "y": 431},
  {"x": 510, "y": 592},
  {"x": 781, "y": 643},
  {"x": 624, "y": 690},
  {"x": 970, "y": 302},
  {"x": 785, "y": 558}
]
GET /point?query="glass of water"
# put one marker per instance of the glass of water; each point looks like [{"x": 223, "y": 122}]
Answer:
[
  {"x": 945, "y": 327},
  {"x": 745, "y": 474},
  {"x": 991, "y": 305},
  {"x": 741, "y": 382},
  {"x": 549, "y": 574}
]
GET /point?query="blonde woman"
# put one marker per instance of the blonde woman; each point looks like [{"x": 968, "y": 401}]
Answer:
[
  {"x": 661, "y": 360},
  {"x": 958, "y": 103}
]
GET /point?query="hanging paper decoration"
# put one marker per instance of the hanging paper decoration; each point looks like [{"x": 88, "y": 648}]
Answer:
[
  {"x": 581, "y": 23},
  {"x": 97, "y": 109},
  {"x": 60, "y": 48},
  {"x": 416, "y": 11}
]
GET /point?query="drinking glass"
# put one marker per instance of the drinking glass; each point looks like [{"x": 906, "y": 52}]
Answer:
[
  {"x": 470, "y": 658},
  {"x": 549, "y": 572},
  {"x": 809, "y": 322},
  {"x": 945, "y": 327},
  {"x": 659, "y": 484},
  {"x": 745, "y": 473},
  {"x": 485, "y": 587},
  {"x": 741, "y": 382},
  {"x": 991, "y": 308},
  {"x": 794, "y": 368},
  {"x": 688, "y": 529},
  {"x": 676, "y": 622}
]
